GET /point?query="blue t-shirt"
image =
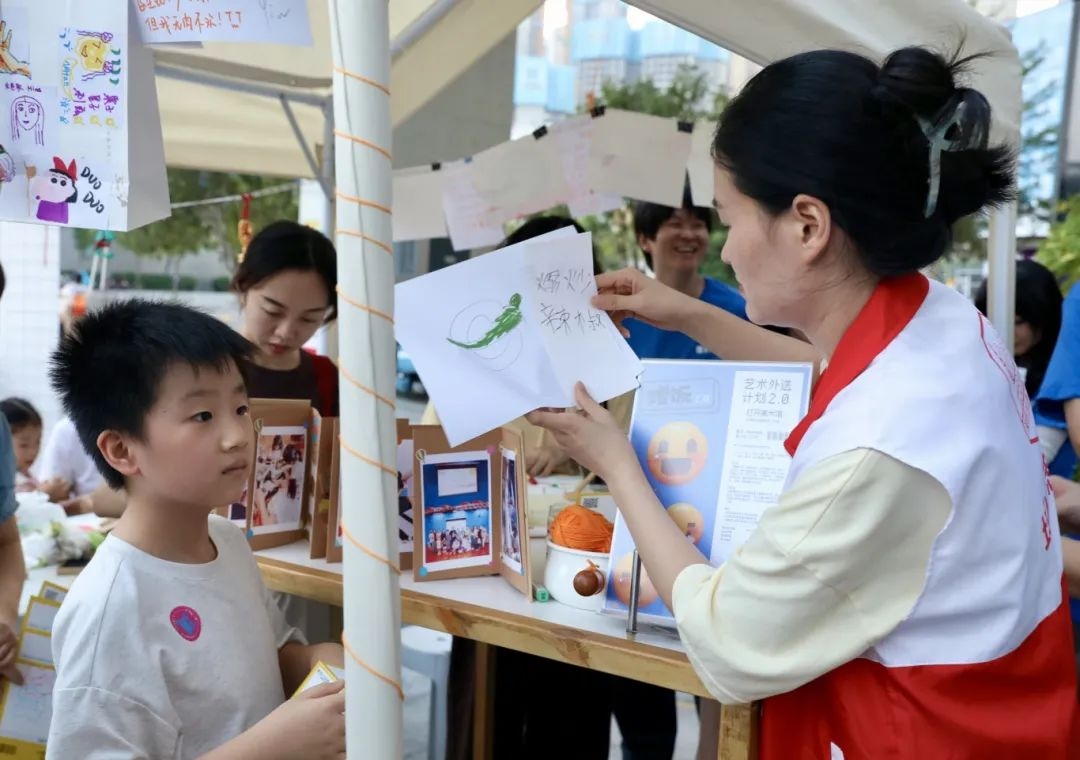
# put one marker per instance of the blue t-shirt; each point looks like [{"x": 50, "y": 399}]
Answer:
[
  {"x": 651, "y": 342},
  {"x": 1062, "y": 382},
  {"x": 7, "y": 472}
]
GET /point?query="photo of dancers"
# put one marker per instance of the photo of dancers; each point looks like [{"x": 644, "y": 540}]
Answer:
[{"x": 277, "y": 495}]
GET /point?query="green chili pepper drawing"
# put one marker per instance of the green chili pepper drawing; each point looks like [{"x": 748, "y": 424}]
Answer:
[{"x": 504, "y": 324}]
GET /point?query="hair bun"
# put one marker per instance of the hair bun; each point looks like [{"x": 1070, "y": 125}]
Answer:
[{"x": 945, "y": 128}]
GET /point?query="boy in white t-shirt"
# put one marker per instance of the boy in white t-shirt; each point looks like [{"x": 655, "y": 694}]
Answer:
[{"x": 168, "y": 645}]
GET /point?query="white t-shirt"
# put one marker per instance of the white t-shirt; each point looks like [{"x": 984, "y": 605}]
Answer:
[
  {"x": 64, "y": 457},
  {"x": 157, "y": 659}
]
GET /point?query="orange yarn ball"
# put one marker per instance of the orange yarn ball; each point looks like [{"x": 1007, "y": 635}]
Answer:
[{"x": 577, "y": 527}]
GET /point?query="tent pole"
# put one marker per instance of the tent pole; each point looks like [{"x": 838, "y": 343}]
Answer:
[
  {"x": 309, "y": 155},
  {"x": 246, "y": 87},
  {"x": 1001, "y": 281},
  {"x": 329, "y": 338},
  {"x": 360, "y": 41}
]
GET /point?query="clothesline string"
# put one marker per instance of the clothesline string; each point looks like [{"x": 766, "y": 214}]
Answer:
[{"x": 273, "y": 190}]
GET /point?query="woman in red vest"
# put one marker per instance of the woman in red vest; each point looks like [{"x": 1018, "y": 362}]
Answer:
[{"x": 903, "y": 598}]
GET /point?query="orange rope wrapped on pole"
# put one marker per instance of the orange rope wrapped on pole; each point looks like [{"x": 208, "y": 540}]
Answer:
[{"x": 244, "y": 229}]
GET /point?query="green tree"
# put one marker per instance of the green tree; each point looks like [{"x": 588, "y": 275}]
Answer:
[
  {"x": 687, "y": 99},
  {"x": 1060, "y": 252},
  {"x": 198, "y": 228}
]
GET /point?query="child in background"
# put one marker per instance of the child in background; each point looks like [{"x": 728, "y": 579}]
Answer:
[
  {"x": 168, "y": 644},
  {"x": 26, "y": 426}
]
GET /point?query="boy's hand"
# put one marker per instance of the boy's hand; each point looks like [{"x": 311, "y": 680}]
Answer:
[
  {"x": 9, "y": 644},
  {"x": 312, "y": 725}
]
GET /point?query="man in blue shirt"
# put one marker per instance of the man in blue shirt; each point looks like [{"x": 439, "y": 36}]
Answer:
[
  {"x": 12, "y": 565},
  {"x": 675, "y": 242}
]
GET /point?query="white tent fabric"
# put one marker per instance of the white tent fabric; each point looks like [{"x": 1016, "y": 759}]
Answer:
[
  {"x": 213, "y": 119},
  {"x": 221, "y": 103}
]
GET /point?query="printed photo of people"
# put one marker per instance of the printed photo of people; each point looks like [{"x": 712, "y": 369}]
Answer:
[
  {"x": 277, "y": 495},
  {"x": 456, "y": 492},
  {"x": 405, "y": 506},
  {"x": 511, "y": 542}
]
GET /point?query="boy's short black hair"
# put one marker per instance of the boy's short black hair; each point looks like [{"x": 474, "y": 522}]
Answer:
[
  {"x": 19, "y": 414},
  {"x": 109, "y": 368},
  {"x": 650, "y": 217}
]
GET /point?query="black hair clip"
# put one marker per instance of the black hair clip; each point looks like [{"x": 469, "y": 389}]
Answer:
[
  {"x": 687, "y": 127},
  {"x": 436, "y": 166},
  {"x": 539, "y": 132}
]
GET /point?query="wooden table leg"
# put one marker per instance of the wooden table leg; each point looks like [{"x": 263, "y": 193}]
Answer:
[
  {"x": 738, "y": 732},
  {"x": 484, "y": 705}
]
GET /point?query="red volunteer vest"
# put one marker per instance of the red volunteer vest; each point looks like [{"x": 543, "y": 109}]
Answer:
[{"x": 1014, "y": 705}]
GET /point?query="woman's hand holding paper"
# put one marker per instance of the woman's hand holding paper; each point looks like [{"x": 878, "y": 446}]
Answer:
[
  {"x": 590, "y": 436},
  {"x": 629, "y": 293}
]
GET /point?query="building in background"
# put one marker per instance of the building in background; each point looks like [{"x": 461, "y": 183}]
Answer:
[
  {"x": 568, "y": 49},
  {"x": 1045, "y": 174}
]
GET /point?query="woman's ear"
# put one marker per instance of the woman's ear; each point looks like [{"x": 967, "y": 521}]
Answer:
[
  {"x": 118, "y": 453},
  {"x": 814, "y": 222}
]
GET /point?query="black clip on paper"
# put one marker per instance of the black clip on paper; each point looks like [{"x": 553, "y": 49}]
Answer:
[
  {"x": 436, "y": 166},
  {"x": 598, "y": 111},
  {"x": 539, "y": 132},
  {"x": 687, "y": 127}
]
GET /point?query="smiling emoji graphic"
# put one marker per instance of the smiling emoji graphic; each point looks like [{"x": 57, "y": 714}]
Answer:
[{"x": 677, "y": 453}]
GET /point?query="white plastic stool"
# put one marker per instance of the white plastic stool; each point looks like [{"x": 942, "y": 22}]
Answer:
[{"x": 427, "y": 652}]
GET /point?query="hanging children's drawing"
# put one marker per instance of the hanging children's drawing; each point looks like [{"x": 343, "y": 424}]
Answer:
[{"x": 70, "y": 85}]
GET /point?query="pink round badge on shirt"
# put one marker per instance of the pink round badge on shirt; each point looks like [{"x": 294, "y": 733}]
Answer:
[{"x": 187, "y": 623}]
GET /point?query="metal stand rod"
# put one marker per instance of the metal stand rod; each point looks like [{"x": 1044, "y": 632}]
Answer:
[{"x": 635, "y": 590}]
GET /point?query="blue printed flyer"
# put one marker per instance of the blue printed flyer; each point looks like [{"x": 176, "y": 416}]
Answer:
[{"x": 710, "y": 438}]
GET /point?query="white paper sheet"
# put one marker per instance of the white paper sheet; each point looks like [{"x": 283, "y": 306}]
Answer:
[
  {"x": 639, "y": 156},
  {"x": 480, "y": 379},
  {"x": 499, "y": 175},
  {"x": 40, "y": 615},
  {"x": 700, "y": 164},
  {"x": 282, "y": 22},
  {"x": 418, "y": 204},
  {"x": 766, "y": 405},
  {"x": 574, "y": 140},
  {"x": 467, "y": 211},
  {"x": 36, "y": 647},
  {"x": 582, "y": 341},
  {"x": 28, "y": 708}
]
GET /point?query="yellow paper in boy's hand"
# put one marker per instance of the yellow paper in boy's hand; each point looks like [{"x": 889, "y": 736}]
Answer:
[{"x": 320, "y": 674}]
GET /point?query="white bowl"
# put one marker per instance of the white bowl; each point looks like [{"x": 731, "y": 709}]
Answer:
[{"x": 563, "y": 565}]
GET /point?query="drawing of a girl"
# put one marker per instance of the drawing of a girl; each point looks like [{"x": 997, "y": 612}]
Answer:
[
  {"x": 27, "y": 117},
  {"x": 55, "y": 191}
]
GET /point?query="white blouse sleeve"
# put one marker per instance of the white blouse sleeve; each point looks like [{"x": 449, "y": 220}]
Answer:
[{"x": 831, "y": 569}]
